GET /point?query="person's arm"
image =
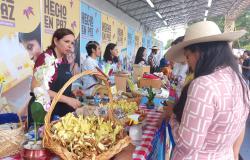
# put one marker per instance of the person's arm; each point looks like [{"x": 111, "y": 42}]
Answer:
[
  {"x": 174, "y": 126},
  {"x": 141, "y": 63},
  {"x": 65, "y": 99},
  {"x": 150, "y": 61},
  {"x": 237, "y": 144},
  {"x": 73, "y": 102},
  {"x": 76, "y": 69},
  {"x": 246, "y": 64},
  {"x": 196, "y": 119},
  {"x": 34, "y": 83},
  {"x": 91, "y": 67},
  {"x": 246, "y": 67}
]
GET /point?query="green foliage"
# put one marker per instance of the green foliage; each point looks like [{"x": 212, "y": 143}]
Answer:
[
  {"x": 247, "y": 47},
  {"x": 151, "y": 94},
  {"x": 38, "y": 113},
  {"x": 242, "y": 22}
]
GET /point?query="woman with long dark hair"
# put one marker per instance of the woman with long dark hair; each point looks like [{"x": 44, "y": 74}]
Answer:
[
  {"x": 111, "y": 54},
  {"x": 210, "y": 116},
  {"x": 62, "y": 44},
  {"x": 111, "y": 60},
  {"x": 140, "y": 56}
]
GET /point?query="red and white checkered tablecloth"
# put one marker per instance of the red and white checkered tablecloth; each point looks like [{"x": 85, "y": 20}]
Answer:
[
  {"x": 142, "y": 151},
  {"x": 152, "y": 120}
]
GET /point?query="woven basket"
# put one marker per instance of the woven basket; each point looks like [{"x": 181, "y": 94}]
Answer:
[
  {"x": 11, "y": 140},
  {"x": 4, "y": 106},
  {"x": 102, "y": 90},
  {"x": 136, "y": 98},
  {"x": 55, "y": 146}
]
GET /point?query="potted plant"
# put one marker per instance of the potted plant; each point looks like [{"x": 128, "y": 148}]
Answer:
[
  {"x": 150, "y": 96},
  {"x": 34, "y": 149}
]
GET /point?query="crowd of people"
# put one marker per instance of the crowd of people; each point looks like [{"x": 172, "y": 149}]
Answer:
[{"x": 210, "y": 114}]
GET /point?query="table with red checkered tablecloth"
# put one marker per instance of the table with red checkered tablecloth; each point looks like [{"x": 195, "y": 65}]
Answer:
[
  {"x": 144, "y": 150},
  {"x": 141, "y": 152},
  {"x": 153, "y": 123}
]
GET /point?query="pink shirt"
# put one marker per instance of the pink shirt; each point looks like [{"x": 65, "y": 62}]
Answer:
[{"x": 213, "y": 117}]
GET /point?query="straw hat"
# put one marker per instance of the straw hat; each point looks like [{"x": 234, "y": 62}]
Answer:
[
  {"x": 155, "y": 47},
  {"x": 205, "y": 31}
]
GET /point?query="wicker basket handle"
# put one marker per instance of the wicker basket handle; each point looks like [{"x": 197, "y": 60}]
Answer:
[{"x": 61, "y": 91}]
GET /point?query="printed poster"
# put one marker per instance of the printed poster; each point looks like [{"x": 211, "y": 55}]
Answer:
[
  {"x": 18, "y": 41},
  {"x": 122, "y": 33},
  {"x": 144, "y": 40},
  {"x": 109, "y": 31},
  {"x": 131, "y": 44},
  {"x": 90, "y": 27},
  {"x": 138, "y": 41},
  {"x": 60, "y": 14},
  {"x": 149, "y": 44}
]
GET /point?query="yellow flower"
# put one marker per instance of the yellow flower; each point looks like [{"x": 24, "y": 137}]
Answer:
[
  {"x": 1, "y": 78},
  {"x": 26, "y": 65}
]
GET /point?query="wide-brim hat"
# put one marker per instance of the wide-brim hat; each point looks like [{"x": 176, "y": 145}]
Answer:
[
  {"x": 155, "y": 47},
  {"x": 205, "y": 31}
]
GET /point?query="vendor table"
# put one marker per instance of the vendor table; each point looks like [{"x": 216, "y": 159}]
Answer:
[
  {"x": 153, "y": 138},
  {"x": 152, "y": 146}
]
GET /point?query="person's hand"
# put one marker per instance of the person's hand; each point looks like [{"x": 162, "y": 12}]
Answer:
[
  {"x": 119, "y": 65},
  {"x": 74, "y": 103},
  {"x": 168, "y": 112},
  {"x": 170, "y": 104},
  {"x": 172, "y": 121},
  {"x": 78, "y": 93},
  {"x": 98, "y": 74}
]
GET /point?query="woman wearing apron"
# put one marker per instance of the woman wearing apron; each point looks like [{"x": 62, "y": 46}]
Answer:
[{"x": 62, "y": 44}]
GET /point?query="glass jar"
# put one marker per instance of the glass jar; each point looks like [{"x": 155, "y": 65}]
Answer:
[{"x": 135, "y": 133}]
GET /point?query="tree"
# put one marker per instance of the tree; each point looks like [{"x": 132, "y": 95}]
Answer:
[{"x": 242, "y": 22}]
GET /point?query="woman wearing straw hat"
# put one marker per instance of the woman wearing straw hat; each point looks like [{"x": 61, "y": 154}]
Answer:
[
  {"x": 210, "y": 117},
  {"x": 152, "y": 61}
]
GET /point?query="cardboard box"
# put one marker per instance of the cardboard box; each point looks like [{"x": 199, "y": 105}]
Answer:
[
  {"x": 139, "y": 70},
  {"x": 154, "y": 83},
  {"x": 121, "y": 82}
]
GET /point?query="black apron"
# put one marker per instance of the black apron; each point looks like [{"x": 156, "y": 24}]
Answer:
[{"x": 60, "y": 109}]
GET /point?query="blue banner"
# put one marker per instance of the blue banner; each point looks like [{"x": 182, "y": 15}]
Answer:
[
  {"x": 144, "y": 40},
  {"x": 161, "y": 48},
  {"x": 149, "y": 44},
  {"x": 170, "y": 140},
  {"x": 159, "y": 144},
  {"x": 90, "y": 27},
  {"x": 131, "y": 42}
]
